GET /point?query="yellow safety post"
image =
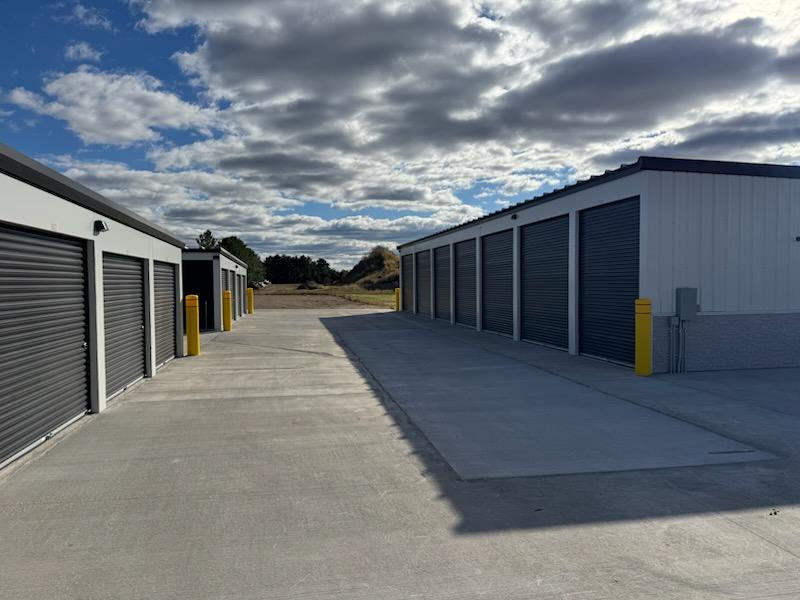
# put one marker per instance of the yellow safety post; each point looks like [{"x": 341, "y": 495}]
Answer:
[
  {"x": 192, "y": 304},
  {"x": 644, "y": 337},
  {"x": 250, "y": 301},
  {"x": 397, "y": 298},
  {"x": 227, "y": 312}
]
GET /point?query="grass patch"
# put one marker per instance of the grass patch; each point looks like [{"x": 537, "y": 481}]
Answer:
[{"x": 354, "y": 293}]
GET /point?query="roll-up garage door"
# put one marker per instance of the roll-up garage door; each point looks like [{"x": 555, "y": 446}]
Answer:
[
  {"x": 43, "y": 323},
  {"x": 497, "y": 270},
  {"x": 123, "y": 291},
  {"x": 226, "y": 282},
  {"x": 240, "y": 303},
  {"x": 165, "y": 294},
  {"x": 424, "y": 282},
  {"x": 234, "y": 295},
  {"x": 609, "y": 279},
  {"x": 407, "y": 283},
  {"x": 544, "y": 281},
  {"x": 441, "y": 269},
  {"x": 465, "y": 283}
]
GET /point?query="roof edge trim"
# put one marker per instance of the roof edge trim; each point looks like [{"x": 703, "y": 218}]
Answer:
[{"x": 25, "y": 169}]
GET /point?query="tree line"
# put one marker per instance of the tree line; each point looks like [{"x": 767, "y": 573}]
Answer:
[{"x": 279, "y": 268}]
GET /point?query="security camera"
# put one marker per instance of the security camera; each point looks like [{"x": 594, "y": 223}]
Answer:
[{"x": 100, "y": 227}]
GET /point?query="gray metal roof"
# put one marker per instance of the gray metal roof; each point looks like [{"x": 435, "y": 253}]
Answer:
[
  {"x": 644, "y": 163},
  {"x": 22, "y": 167},
  {"x": 214, "y": 251}
]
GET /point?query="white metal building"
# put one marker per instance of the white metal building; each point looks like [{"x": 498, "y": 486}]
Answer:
[
  {"x": 90, "y": 301},
  {"x": 564, "y": 269},
  {"x": 208, "y": 273}
]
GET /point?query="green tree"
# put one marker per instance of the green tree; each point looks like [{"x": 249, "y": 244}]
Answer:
[
  {"x": 255, "y": 268},
  {"x": 206, "y": 240}
]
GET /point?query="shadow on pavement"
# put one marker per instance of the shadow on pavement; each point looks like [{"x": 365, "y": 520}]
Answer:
[{"x": 525, "y": 502}]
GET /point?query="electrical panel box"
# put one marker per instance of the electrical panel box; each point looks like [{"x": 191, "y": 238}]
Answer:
[{"x": 686, "y": 303}]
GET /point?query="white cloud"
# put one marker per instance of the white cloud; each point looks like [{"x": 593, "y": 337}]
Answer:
[
  {"x": 89, "y": 16},
  {"x": 400, "y": 106},
  {"x": 82, "y": 51},
  {"x": 114, "y": 108}
]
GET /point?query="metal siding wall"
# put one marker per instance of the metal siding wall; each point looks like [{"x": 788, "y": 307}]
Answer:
[
  {"x": 465, "y": 283},
  {"x": 544, "y": 273},
  {"x": 441, "y": 266},
  {"x": 497, "y": 289},
  {"x": 123, "y": 291},
  {"x": 407, "y": 283},
  {"x": 732, "y": 237},
  {"x": 608, "y": 251},
  {"x": 43, "y": 318},
  {"x": 165, "y": 310},
  {"x": 423, "y": 282}
]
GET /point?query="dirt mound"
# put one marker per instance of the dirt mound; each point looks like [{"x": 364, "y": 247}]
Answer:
[{"x": 378, "y": 270}]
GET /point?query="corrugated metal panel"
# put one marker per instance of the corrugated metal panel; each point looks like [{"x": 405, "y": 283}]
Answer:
[
  {"x": 123, "y": 291},
  {"x": 408, "y": 282},
  {"x": 731, "y": 237},
  {"x": 544, "y": 281},
  {"x": 164, "y": 295},
  {"x": 424, "y": 282},
  {"x": 441, "y": 268},
  {"x": 497, "y": 289},
  {"x": 609, "y": 279},
  {"x": 465, "y": 283},
  {"x": 43, "y": 320}
]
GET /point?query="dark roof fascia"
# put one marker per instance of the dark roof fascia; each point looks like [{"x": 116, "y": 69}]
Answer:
[
  {"x": 21, "y": 167},
  {"x": 644, "y": 163},
  {"x": 217, "y": 251}
]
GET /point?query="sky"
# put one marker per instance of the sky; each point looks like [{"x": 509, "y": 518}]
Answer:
[{"x": 327, "y": 127}]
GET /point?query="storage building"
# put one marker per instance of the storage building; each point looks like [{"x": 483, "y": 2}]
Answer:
[
  {"x": 89, "y": 301},
  {"x": 715, "y": 247},
  {"x": 208, "y": 273}
]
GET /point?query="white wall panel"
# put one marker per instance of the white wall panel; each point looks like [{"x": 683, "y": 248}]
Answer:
[{"x": 732, "y": 237}]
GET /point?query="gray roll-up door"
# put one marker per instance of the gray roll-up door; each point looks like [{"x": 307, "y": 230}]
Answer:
[
  {"x": 165, "y": 311},
  {"x": 609, "y": 279},
  {"x": 44, "y": 378},
  {"x": 234, "y": 295},
  {"x": 497, "y": 289},
  {"x": 123, "y": 291},
  {"x": 441, "y": 269},
  {"x": 544, "y": 282},
  {"x": 408, "y": 282},
  {"x": 465, "y": 283},
  {"x": 240, "y": 304},
  {"x": 424, "y": 282}
]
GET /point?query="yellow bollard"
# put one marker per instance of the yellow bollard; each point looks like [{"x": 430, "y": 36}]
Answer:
[
  {"x": 251, "y": 303},
  {"x": 397, "y": 298},
  {"x": 227, "y": 312},
  {"x": 192, "y": 304},
  {"x": 644, "y": 337}
]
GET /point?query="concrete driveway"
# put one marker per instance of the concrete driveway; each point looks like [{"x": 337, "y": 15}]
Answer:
[{"x": 292, "y": 460}]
